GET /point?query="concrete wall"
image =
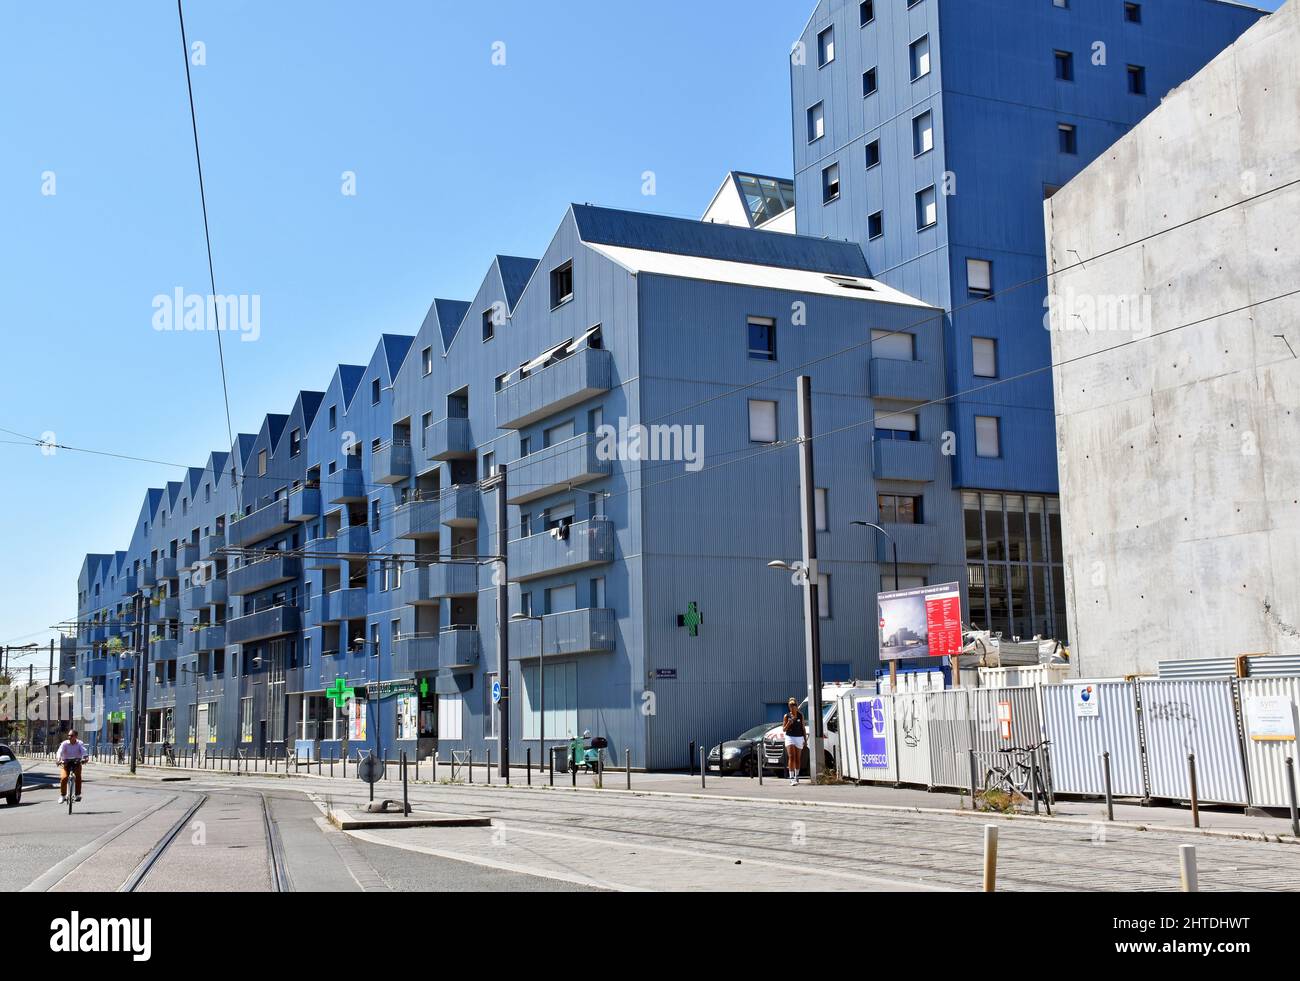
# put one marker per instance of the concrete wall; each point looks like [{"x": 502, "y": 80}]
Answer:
[{"x": 1179, "y": 433}]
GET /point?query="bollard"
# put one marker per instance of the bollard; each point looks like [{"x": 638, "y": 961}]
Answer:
[
  {"x": 1105, "y": 775},
  {"x": 690, "y": 757},
  {"x": 1187, "y": 867},
  {"x": 990, "y": 858},
  {"x": 406, "y": 801},
  {"x": 435, "y": 766},
  {"x": 489, "y": 764},
  {"x": 417, "y": 769},
  {"x": 552, "y": 766},
  {"x": 758, "y": 759},
  {"x": 573, "y": 773},
  {"x": 528, "y": 765},
  {"x": 627, "y": 766},
  {"x": 1290, "y": 784},
  {"x": 1196, "y": 804},
  {"x": 971, "y": 759},
  {"x": 471, "y": 766},
  {"x": 702, "y": 763},
  {"x": 1033, "y": 779}
]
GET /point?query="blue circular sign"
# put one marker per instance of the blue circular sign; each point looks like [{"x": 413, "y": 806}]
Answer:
[{"x": 496, "y": 692}]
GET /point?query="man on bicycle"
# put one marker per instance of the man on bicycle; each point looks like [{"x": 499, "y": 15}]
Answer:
[{"x": 71, "y": 753}]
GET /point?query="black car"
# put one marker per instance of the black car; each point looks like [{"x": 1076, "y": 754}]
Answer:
[{"x": 739, "y": 756}]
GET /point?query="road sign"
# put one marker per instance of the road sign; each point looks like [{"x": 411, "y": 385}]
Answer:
[
  {"x": 496, "y": 692},
  {"x": 666, "y": 674},
  {"x": 370, "y": 769}
]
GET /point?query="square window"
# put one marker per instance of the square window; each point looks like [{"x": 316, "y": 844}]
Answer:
[
  {"x": 426, "y": 360},
  {"x": 984, "y": 354},
  {"x": 489, "y": 324},
  {"x": 866, "y": 12},
  {"x": 562, "y": 284},
  {"x": 1137, "y": 80},
  {"x": 987, "y": 441},
  {"x": 919, "y": 54},
  {"x": 868, "y": 82},
  {"x": 923, "y": 133},
  {"x": 876, "y": 224},
  {"x": 1063, "y": 4},
  {"x": 830, "y": 183},
  {"x": 897, "y": 426},
  {"x": 873, "y": 154},
  {"x": 927, "y": 208},
  {"x": 1068, "y": 138},
  {"x": 826, "y": 47},
  {"x": 762, "y": 421},
  {"x": 1133, "y": 13},
  {"x": 816, "y": 123},
  {"x": 1065, "y": 66},
  {"x": 762, "y": 339},
  {"x": 979, "y": 277},
  {"x": 893, "y": 345}
]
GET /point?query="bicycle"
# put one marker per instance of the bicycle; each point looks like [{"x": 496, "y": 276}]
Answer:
[
  {"x": 73, "y": 768},
  {"x": 1019, "y": 778}
]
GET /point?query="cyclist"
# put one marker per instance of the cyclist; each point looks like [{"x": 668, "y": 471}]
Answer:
[{"x": 71, "y": 753}]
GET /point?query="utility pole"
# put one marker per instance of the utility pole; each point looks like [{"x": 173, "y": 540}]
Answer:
[
  {"x": 142, "y": 659},
  {"x": 49, "y": 698},
  {"x": 503, "y": 629},
  {"x": 811, "y": 601}
]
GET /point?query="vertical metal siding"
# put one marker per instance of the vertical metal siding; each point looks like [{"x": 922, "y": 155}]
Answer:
[
  {"x": 948, "y": 723},
  {"x": 853, "y": 766},
  {"x": 1182, "y": 717},
  {"x": 1265, "y": 761},
  {"x": 912, "y": 737},
  {"x": 1077, "y": 743}
]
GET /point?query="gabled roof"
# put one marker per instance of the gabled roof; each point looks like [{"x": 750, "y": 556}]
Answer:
[
  {"x": 350, "y": 376},
  {"x": 395, "y": 347},
  {"x": 682, "y": 236},
  {"x": 446, "y": 315},
  {"x": 173, "y": 494},
  {"x": 244, "y": 444},
  {"x": 152, "y": 498},
  {"x": 193, "y": 478},
  {"x": 217, "y": 460},
  {"x": 515, "y": 272}
]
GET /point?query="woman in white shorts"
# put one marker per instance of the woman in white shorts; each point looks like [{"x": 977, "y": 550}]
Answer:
[{"x": 795, "y": 731}]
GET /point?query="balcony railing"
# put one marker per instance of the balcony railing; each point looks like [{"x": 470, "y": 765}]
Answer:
[
  {"x": 351, "y": 543},
  {"x": 584, "y": 631},
  {"x": 206, "y": 594},
  {"x": 304, "y": 503},
  {"x": 549, "y": 390},
  {"x": 458, "y": 648},
  {"x": 550, "y": 470},
  {"x": 146, "y": 579},
  {"x": 346, "y": 485},
  {"x": 271, "y": 622},
  {"x": 164, "y": 649},
  {"x": 414, "y": 653},
  {"x": 210, "y": 638},
  {"x": 165, "y": 567},
  {"x": 901, "y": 459},
  {"x": 587, "y": 543},
  {"x": 210, "y": 544},
  {"x": 263, "y": 574},
  {"x": 417, "y": 518},
  {"x": 459, "y": 505},
  {"x": 168, "y": 608},
  {"x": 187, "y": 553},
  {"x": 919, "y": 380},
  {"x": 344, "y": 604},
  {"x": 266, "y": 521},
  {"x": 390, "y": 462},
  {"x": 448, "y": 439}
]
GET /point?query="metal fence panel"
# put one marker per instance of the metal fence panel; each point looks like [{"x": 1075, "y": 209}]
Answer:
[
  {"x": 1078, "y": 740},
  {"x": 868, "y": 730},
  {"x": 1025, "y": 727},
  {"x": 1182, "y": 717},
  {"x": 1273, "y": 666},
  {"x": 947, "y": 720},
  {"x": 1266, "y": 758},
  {"x": 912, "y": 736}
]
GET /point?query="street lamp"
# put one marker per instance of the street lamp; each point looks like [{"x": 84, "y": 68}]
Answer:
[
  {"x": 890, "y": 538},
  {"x": 806, "y": 578},
  {"x": 541, "y": 685}
]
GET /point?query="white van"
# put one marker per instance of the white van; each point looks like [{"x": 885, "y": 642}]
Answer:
[{"x": 774, "y": 741}]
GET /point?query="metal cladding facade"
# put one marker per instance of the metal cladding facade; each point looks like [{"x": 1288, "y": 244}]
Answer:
[{"x": 271, "y": 574}]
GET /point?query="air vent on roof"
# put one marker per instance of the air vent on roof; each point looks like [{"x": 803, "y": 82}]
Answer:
[{"x": 852, "y": 284}]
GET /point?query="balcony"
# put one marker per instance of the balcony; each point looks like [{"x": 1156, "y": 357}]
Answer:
[
  {"x": 146, "y": 578},
  {"x": 417, "y": 519},
  {"x": 900, "y": 459},
  {"x": 555, "y": 468},
  {"x": 351, "y": 543},
  {"x": 100, "y": 667},
  {"x": 263, "y": 575},
  {"x": 272, "y": 622},
  {"x": 425, "y": 585},
  {"x": 390, "y": 462},
  {"x": 211, "y": 638},
  {"x": 304, "y": 503},
  {"x": 164, "y": 649},
  {"x": 346, "y": 485},
  {"x": 458, "y": 648},
  {"x": 165, "y": 567},
  {"x": 449, "y": 439},
  {"x": 187, "y": 554},
  {"x": 128, "y": 584},
  {"x": 588, "y": 543},
  {"x": 414, "y": 653},
  {"x": 917, "y": 545},
  {"x": 209, "y": 545},
  {"x": 459, "y": 505},
  {"x": 549, "y": 390},
  {"x": 262, "y": 523},
  {"x": 167, "y": 608},
  {"x": 585, "y": 631},
  {"x": 894, "y": 379},
  {"x": 344, "y": 604},
  {"x": 206, "y": 594}
]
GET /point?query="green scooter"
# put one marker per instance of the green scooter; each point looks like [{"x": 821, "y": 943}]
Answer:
[{"x": 585, "y": 752}]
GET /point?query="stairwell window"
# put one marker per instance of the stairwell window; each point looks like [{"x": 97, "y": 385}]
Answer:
[
  {"x": 1068, "y": 138},
  {"x": 1137, "y": 80},
  {"x": 830, "y": 183},
  {"x": 988, "y": 441},
  {"x": 762, "y": 339},
  {"x": 866, "y": 12},
  {"x": 762, "y": 421},
  {"x": 873, "y": 154},
  {"x": 923, "y": 133},
  {"x": 979, "y": 278},
  {"x": 868, "y": 82},
  {"x": 919, "y": 56},
  {"x": 1064, "y": 66},
  {"x": 927, "y": 209},
  {"x": 876, "y": 224},
  {"x": 562, "y": 284},
  {"x": 826, "y": 47},
  {"x": 816, "y": 122}
]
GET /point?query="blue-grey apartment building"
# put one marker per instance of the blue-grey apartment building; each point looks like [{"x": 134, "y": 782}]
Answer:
[{"x": 931, "y": 132}]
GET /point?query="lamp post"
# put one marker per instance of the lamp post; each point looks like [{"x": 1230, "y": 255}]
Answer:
[
  {"x": 893, "y": 665},
  {"x": 806, "y": 580},
  {"x": 541, "y": 686}
]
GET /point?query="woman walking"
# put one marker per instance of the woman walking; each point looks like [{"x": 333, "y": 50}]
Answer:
[{"x": 793, "y": 727}]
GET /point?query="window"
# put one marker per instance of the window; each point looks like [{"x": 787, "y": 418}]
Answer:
[
  {"x": 559, "y": 433},
  {"x": 295, "y": 442},
  {"x": 893, "y": 345},
  {"x": 245, "y": 720},
  {"x": 987, "y": 442},
  {"x": 1068, "y": 138},
  {"x": 816, "y": 123},
  {"x": 374, "y": 391},
  {"x": 500, "y": 382},
  {"x": 1133, "y": 13},
  {"x": 394, "y": 635},
  {"x": 824, "y": 596},
  {"x": 762, "y": 421},
  {"x": 819, "y": 508},
  {"x": 762, "y": 339},
  {"x": 866, "y": 12},
  {"x": 374, "y": 515},
  {"x": 830, "y": 183},
  {"x": 873, "y": 154},
  {"x": 1137, "y": 80},
  {"x": 1063, "y": 4},
  {"x": 561, "y": 701},
  {"x": 374, "y": 640},
  {"x": 919, "y": 54},
  {"x": 923, "y": 133},
  {"x": 450, "y": 714},
  {"x": 868, "y": 82},
  {"x": 979, "y": 277},
  {"x": 261, "y": 465},
  {"x": 912, "y": 3},
  {"x": 334, "y": 417},
  {"x": 898, "y": 425},
  {"x": 1064, "y": 66},
  {"x": 984, "y": 354},
  {"x": 489, "y": 327},
  {"x": 899, "y": 509},
  {"x": 489, "y": 465},
  {"x": 876, "y": 224},
  {"x": 562, "y": 284},
  {"x": 927, "y": 209},
  {"x": 826, "y": 47}
]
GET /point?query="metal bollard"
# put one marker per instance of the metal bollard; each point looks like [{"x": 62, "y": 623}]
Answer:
[
  {"x": 627, "y": 766},
  {"x": 489, "y": 764},
  {"x": 435, "y": 766},
  {"x": 471, "y": 766},
  {"x": 702, "y": 762},
  {"x": 1033, "y": 779},
  {"x": 1290, "y": 785},
  {"x": 406, "y": 800},
  {"x": 528, "y": 765},
  {"x": 552, "y": 766},
  {"x": 573, "y": 773},
  {"x": 990, "y": 858},
  {"x": 1187, "y": 868},
  {"x": 758, "y": 759},
  {"x": 1105, "y": 775},
  {"x": 971, "y": 758},
  {"x": 1196, "y": 804},
  {"x": 690, "y": 757}
]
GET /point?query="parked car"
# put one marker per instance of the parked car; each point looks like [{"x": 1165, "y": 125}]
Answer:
[
  {"x": 738, "y": 755},
  {"x": 11, "y": 777}
]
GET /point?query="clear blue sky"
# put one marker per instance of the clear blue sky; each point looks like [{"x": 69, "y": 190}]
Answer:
[{"x": 456, "y": 160}]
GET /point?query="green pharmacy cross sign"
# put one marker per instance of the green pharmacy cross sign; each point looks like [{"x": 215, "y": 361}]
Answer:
[
  {"x": 692, "y": 619},
  {"x": 339, "y": 692},
  {"x": 424, "y": 687}
]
